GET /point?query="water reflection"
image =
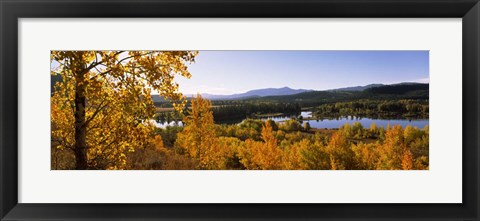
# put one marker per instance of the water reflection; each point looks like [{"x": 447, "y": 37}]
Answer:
[
  {"x": 366, "y": 122},
  {"x": 165, "y": 124},
  {"x": 329, "y": 123}
]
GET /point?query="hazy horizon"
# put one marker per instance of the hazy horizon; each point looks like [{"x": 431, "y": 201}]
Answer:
[
  {"x": 233, "y": 72},
  {"x": 301, "y": 88}
]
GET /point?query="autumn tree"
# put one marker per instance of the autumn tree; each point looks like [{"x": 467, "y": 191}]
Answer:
[
  {"x": 340, "y": 153},
  {"x": 198, "y": 137},
  {"x": 417, "y": 142},
  {"x": 366, "y": 155},
  {"x": 407, "y": 160},
  {"x": 293, "y": 156},
  {"x": 314, "y": 156},
  {"x": 102, "y": 105},
  {"x": 264, "y": 155},
  {"x": 152, "y": 156},
  {"x": 392, "y": 150},
  {"x": 227, "y": 155}
]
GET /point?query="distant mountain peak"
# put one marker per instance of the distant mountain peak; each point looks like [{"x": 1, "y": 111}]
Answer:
[{"x": 263, "y": 92}]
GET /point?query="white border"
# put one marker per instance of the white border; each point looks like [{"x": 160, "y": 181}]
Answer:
[{"x": 441, "y": 184}]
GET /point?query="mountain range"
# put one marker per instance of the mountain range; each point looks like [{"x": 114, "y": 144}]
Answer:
[
  {"x": 254, "y": 93},
  {"x": 286, "y": 91},
  {"x": 408, "y": 88}
]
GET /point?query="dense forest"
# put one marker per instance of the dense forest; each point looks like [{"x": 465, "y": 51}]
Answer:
[{"x": 378, "y": 109}]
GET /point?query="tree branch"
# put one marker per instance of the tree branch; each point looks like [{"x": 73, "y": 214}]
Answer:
[{"x": 96, "y": 112}]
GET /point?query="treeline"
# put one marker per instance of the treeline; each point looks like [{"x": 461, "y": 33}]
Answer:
[
  {"x": 240, "y": 111},
  {"x": 234, "y": 111},
  {"x": 168, "y": 116},
  {"x": 414, "y": 89},
  {"x": 407, "y": 91},
  {"x": 376, "y": 109}
]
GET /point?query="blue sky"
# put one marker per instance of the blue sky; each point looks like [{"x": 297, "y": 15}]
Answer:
[{"x": 228, "y": 72}]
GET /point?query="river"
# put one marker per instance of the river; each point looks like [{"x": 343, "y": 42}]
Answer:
[
  {"x": 366, "y": 122},
  {"x": 334, "y": 123}
]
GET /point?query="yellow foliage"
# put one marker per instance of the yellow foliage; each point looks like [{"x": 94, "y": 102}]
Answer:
[
  {"x": 341, "y": 156},
  {"x": 293, "y": 159},
  {"x": 198, "y": 137},
  {"x": 264, "y": 155},
  {"x": 391, "y": 152},
  {"x": 366, "y": 155},
  {"x": 102, "y": 107},
  {"x": 407, "y": 160}
]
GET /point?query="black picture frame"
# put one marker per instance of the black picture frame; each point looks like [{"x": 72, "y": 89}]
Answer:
[{"x": 12, "y": 10}]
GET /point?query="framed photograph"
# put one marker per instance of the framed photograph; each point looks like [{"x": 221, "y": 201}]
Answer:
[{"x": 229, "y": 110}]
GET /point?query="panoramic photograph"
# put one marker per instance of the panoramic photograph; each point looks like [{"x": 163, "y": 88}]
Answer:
[{"x": 239, "y": 110}]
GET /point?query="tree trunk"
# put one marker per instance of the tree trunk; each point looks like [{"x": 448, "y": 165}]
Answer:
[{"x": 80, "y": 126}]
